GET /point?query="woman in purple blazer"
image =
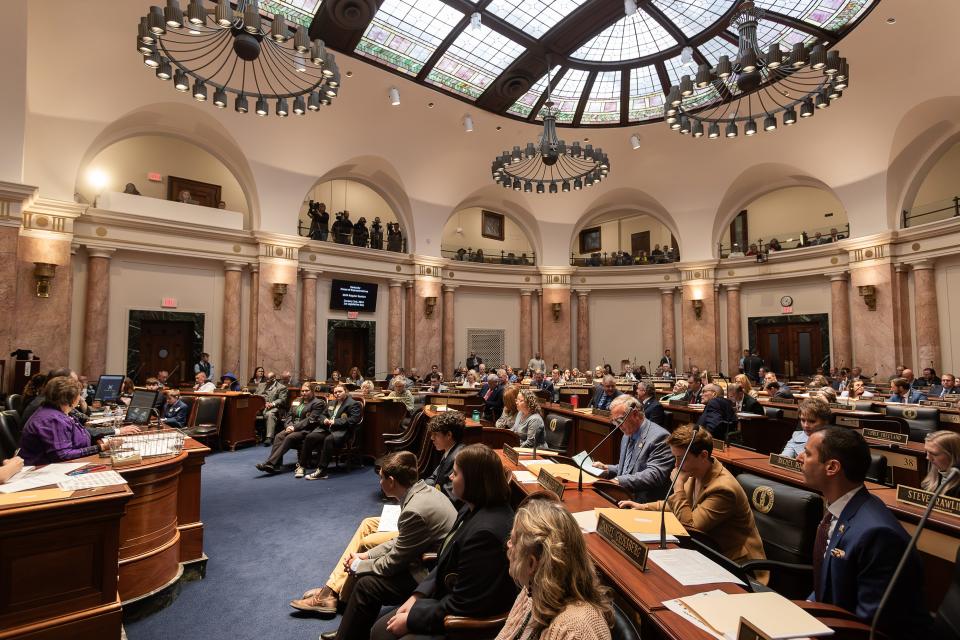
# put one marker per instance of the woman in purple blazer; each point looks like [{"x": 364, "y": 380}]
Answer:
[{"x": 50, "y": 434}]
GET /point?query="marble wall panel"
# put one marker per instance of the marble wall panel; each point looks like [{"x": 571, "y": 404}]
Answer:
[
  {"x": 43, "y": 324},
  {"x": 872, "y": 332},
  {"x": 427, "y": 332},
  {"x": 555, "y": 333},
  {"x": 700, "y": 344},
  {"x": 276, "y": 328}
]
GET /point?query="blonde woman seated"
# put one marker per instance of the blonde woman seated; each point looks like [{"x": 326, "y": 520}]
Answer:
[
  {"x": 943, "y": 451},
  {"x": 827, "y": 394},
  {"x": 744, "y": 382},
  {"x": 368, "y": 389},
  {"x": 856, "y": 390},
  {"x": 707, "y": 497},
  {"x": 814, "y": 415},
  {"x": 560, "y": 596},
  {"x": 401, "y": 393},
  {"x": 679, "y": 391},
  {"x": 529, "y": 422},
  {"x": 509, "y": 415},
  {"x": 471, "y": 379}
]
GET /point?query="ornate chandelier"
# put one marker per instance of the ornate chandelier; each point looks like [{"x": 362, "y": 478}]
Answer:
[
  {"x": 549, "y": 164},
  {"x": 238, "y": 52},
  {"x": 756, "y": 86}
]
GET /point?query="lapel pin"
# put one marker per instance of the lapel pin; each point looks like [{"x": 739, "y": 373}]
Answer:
[{"x": 838, "y": 553}]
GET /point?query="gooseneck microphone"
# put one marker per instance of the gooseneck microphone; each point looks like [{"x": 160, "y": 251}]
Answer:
[
  {"x": 954, "y": 470},
  {"x": 605, "y": 438},
  {"x": 663, "y": 503}
]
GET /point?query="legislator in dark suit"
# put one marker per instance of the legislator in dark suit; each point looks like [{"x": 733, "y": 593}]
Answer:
[
  {"x": 471, "y": 577},
  {"x": 751, "y": 367},
  {"x": 440, "y": 477},
  {"x": 751, "y": 405},
  {"x": 862, "y": 553},
  {"x": 719, "y": 416},
  {"x": 492, "y": 401},
  {"x": 345, "y": 415},
  {"x": 601, "y": 399},
  {"x": 655, "y": 413},
  {"x": 645, "y": 462},
  {"x": 175, "y": 415},
  {"x": 304, "y": 418}
]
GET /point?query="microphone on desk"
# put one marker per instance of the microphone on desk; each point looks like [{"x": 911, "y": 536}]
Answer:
[
  {"x": 663, "y": 504},
  {"x": 954, "y": 470},
  {"x": 605, "y": 438}
]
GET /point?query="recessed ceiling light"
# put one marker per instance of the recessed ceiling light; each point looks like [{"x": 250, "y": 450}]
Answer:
[
  {"x": 586, "y": 139},
  {"x": 349, "y": 74},
  {"x": 430, "y": 105},
  {"x": 891, "y": 20},
  {"x": 499, "y": 128}
]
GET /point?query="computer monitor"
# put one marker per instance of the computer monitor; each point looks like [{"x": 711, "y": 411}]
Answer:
[
  {"x": 142, "y": 402},
  {"x": 108, "y": 389}
]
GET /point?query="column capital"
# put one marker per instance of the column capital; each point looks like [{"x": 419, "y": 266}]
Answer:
[
  {"x": 408, "y": 284},
  {"x": 395, "y": 283},
  {"x": 100, "y": 252},
  {"x": 733, "y": 286},
  {"x": 582, "y": 293},
  {"x": 527, "y": 292},
  {"x": 450, "y": 288},
  {"x": 308, "y": 274},
  {"x": 232, "y": 266},
  {"x": 671, "y": 290},
  {"x": 842, "y": 276},
  {"x": 922, "y": 264}
]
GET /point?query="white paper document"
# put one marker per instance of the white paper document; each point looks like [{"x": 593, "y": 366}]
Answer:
[
  {"x": 684, "y": 612},
  {"x": 588, "y": 465},
  {"x": 525, "y": 477},
  {"x": 654, "y": 537},
  {"x": 389, "y": 518},
  {"x": 33, "y": 477},
  {"x": 587, "y": 520},
  {"x": 91, "y": 480},
  {"x": 689, "y": 567}
]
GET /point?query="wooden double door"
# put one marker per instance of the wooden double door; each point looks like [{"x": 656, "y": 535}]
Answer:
[
  {"x": 794, "y": 349},
  {"x": 166, "y": 345},
  {"x": 351, "y": 346}
]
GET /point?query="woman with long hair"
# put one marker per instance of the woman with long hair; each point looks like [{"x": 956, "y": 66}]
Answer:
[
  {"x": 529, "y": 421},
  {"x": 560, "y": 595},
  {"x": 744, "y": 381},
  {"x": 943, "y": 451},
  {"x": 355, "y": 376},
  {"x": 509, "y": 415}
]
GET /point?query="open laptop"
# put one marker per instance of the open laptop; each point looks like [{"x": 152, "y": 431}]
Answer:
[
  {"x": 108, "y": 389},
  {"x": 142, "y": 402}
]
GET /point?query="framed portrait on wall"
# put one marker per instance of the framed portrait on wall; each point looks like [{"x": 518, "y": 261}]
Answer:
[
  {"x": 491, "y": 225},
  {"x": 590, "y": 240}
]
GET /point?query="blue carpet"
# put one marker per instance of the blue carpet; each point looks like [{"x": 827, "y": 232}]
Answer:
[{"x": 269, "y": 538}]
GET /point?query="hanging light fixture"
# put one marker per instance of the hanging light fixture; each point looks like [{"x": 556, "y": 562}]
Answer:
[
  {"x": 550, "y": 161},
  {"x": 757, "y": 86},
  {"x": 238, "y": 51}
]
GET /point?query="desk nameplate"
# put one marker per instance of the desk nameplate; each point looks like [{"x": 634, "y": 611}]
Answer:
[
  {"x": 601, "y": 412},
  {"x": 886, "y": 436},
  {"x": 747, "y": 631},
  {"x": 550, "y": 482},
  {"x": 719, "y": 445},
  {"x": 783, "y": 462},
  {"x": 678, "y": 403},
  {"x": 845, "y": 421},
  {"x": 953, "y": 418},
  {"x": 941, "y": 404},
  {"x": 623, "y": 541},
  {"x": 565, "y": 405},
  {"x": 511, "y": 454},
  {"x": 920, "y": 498}
]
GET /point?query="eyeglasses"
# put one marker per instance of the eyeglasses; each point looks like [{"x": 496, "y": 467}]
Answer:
[{"x": 616, "y": 422}]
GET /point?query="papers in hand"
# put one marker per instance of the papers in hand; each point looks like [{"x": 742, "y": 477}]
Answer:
[
  {"x": 33, "y": 477},
  {"x": 720, "y": 613},
  {"x": 586, "y": 462},
  {"x": 389, "y": 518},
  {"x": 689, "y": 567},
  {"x": 91, "y": 480},
  {"x": 524, "y": 477}
]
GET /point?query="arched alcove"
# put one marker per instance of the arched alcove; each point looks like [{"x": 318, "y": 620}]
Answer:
[
  {"x": 784, "y": 214},
  {"x": 602, "y": 239},
  {"x": 353, "y": 196},
  {"x": 151, "y": 163},
  {"x": 484, "y": 234}
]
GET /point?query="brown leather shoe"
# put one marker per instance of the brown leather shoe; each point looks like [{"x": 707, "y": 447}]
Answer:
[{"x": 323, "y": 601}]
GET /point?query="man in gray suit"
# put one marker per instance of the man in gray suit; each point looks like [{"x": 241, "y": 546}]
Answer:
[
  {"x": 645, "y": 458},
  {"x": 276, "y": 394},
  {"x": 389, "y": 572}
]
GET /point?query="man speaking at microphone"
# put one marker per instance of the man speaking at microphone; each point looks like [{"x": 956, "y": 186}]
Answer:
[{"x": 645, "y": 459}]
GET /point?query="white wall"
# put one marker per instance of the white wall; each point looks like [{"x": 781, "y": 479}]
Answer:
[
  {"x": 487, "y": 309},
  {"x": 759, "y": 299},
  {"x": 943, "y": 181},
  {"x": 948, "y": 306},
  {"x": 349, "y": 195},
  {"x": 130, "y": 160},
  {"x": 615, "y": 234},
  {"x": 625, "y": 325},
  {"x": 469, "y": 219},
  {"x": 784, "y": 213}
]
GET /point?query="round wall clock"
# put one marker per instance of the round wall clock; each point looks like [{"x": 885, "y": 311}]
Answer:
[{"x": 786, "y": 301}]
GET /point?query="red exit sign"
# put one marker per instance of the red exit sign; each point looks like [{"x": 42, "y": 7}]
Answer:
[
  {"x": 154, "y": 176},
  {"x": 168, "y": 303},
  {"x": 787, "y": 309},
  {"x": 352, "y": 315}
]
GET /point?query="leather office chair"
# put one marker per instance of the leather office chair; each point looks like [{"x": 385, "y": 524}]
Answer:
[
  {"x": 611, "y": 491},
  {"x": 556, "y": 431},
  {"x": 922, "y": 420},
  {"x": 774, "y": 413},
  {"x": 15, "y": 422},
  {"x": 623, "y": 628},
  {"x": 188, "y": 400},
  {"x": 352, "y": 449},
  {"x": 204, "y": 423},
  {"x": 946, "y": 624},
  {"x": 463, "y": 628},
  {"x": 787, "y": 519},
  {"x": 878, "y": 469},
  {"x": 767, "y": 436},
  {"x": 669, "y": 420},
  {"x": 8, "y": 437},
  {"x": 15, "y": 402}
]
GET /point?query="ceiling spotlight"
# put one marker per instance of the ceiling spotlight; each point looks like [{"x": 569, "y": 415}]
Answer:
[
  {"x": 629, "y": 7},
  {"x": 394, "y": 97},
  {"x": 475, "y": 23},
  {"x": 635, "y": 142},
  {"x": 468, "y": 124}
]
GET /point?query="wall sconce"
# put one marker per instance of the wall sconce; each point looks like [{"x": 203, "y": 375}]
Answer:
[
  {"x": 431, "y": 304},
  {"x": 556, "y": 306},
  {"x": 697, "y": 308},
  {"x": 43, "y": 273},
  {"x": 279, "y": 290},
  {"x": 869, "y": 294}
]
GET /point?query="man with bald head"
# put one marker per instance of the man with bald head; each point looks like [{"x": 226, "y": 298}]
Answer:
[
  {"x": 605, "y": 392},
  {"x": 492, "y": 394},
  {"x": 719, "y": 414}
]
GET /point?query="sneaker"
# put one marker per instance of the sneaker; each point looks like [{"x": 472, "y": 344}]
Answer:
[
  {"x": 324, "y": 601},
  {"x": 319, "y": 474},
  {"x": 299, "y": 473},
  {"x": 329, "y": 635}
]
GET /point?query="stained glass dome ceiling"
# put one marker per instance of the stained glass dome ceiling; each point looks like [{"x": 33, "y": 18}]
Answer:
[{"x": 610, "y": 69}]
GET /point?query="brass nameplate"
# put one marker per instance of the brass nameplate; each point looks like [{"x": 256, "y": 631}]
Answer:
[
  {"x": 719, "y": 445},
  {"x": 844, "y": 421},
  {"x": 511, "y": 454},
  {"x": 549, "y": 482},
  {"x": 565, "y": 405},
  {"x": 887, "y": 436},
  {"x": 601, "y": 412},
  {"x": 784, "y": 400},
  {"x": 623, "y": 541},
  {"x": 747, "y": 631},
  {"x": 920, "y": 498},
  {"x": 678, "y": 403},
  {"x": 454, "y": 401},
  {"x": 953, "y": 418},
  {"x": 833, "y": 405},
  {"x": 790, "y": 464},
  {"x": 942, "y": 404}
]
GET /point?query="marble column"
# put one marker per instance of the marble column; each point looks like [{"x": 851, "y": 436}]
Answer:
[
  {"x": 734, "y": 333},
  {"x": 308, "y": 326},
  {"x": 537, "y": 302},
  {"x": 718, "y": 352},
  {"x": 669, "y": 323},
  {"x": 902, "y": 307},
  {"x": 9, "y": 236},
  {"x": 230, "y": 354},
  {"x": 873, "y": 343},
  {"x": 409, "y": 326},
  {"x": 277, "y": 326},
  {"x": 555, "y": 327},
  {"x": 698, "y": 334},
  {"x": 395, "y": 326},
  {"x": 96, "y": 313},
  {"x": 427, "y": 329},
  {"x": 449, "y": 355},
  {"x": 526, "y": 325},
  {"x": 840, "y": 321},
  {"x": 252, "y": 359},
  {"x": 928, "y": 319},
  {"x": 583, "y": 329}
]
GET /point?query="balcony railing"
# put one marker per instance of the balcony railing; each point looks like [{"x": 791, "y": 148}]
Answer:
[
  {"x": 932, "y": 212},
  {"x": 622, "y": 259},
  {"x": 793, "y": 240},
  {"x": 505, "y": 256},
  {"x": 349, "y": 239}
]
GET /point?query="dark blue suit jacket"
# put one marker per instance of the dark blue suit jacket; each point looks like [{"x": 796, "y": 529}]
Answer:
[
  {"x": 599, "y": 397},
  {"x": 654, "y": 413},
  {"x": 937, "y": 390},
  {"x": 175, "y": 415},
  {"x": 862, "y": 553},
  {"x": 914, "y": 397},
  {"x": 719, "y": 416},
  {"x": 493, "y": 407}
]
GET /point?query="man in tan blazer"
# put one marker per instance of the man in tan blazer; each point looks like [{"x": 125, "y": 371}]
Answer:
[
  {"x": 388, "y": 572},
  {"x": 707, "y": 497}
]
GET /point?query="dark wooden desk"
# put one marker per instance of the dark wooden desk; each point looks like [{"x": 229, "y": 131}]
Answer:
[
  {"x": 240, "y": 409},
  {"x": 380, "y": 416},
  {"x": 58, "y": 566}
]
